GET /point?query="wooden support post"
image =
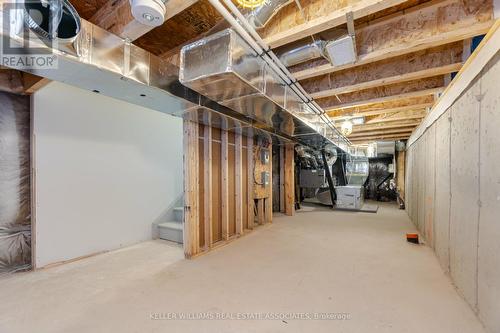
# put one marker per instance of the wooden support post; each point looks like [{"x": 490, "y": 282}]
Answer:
[
  {"x": 269, "y": 199},
  {"x": 239, "y": 183},
  {"x": 289, "y": 179},
  {"x": 260, "y": 211},
  {"x": 400, "y": 174},
  {"x": 225, "y": 184},
  {"x": 250, "y": 184},
  {"x": 282, "y": 179},
  {"x": 191, "y": 218},
  {"x": 207, "y": 156}
]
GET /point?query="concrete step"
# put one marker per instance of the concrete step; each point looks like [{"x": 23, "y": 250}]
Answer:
[
  {"x": 179, "y": 214},
  {"x": 171, "y": 231}
]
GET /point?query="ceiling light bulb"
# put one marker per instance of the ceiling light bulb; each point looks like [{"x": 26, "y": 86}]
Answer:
[{"x": 346, "y": 128}]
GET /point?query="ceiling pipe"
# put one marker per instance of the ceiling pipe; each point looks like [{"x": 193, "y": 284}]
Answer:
[{"x": 248, "y": 33}]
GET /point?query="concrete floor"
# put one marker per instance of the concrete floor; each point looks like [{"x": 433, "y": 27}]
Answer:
[{"x": 317, "y": 261}]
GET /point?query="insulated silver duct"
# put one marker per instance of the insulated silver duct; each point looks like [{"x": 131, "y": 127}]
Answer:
[
  {"x": 304, "y": 53},
  {"x": 241, "y": 80},
  {"x": 260, "y": 16}
]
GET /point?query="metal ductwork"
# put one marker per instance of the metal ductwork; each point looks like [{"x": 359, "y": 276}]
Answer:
[
  {"x": 99, "y": 61},
  {"x": 261, "y": 15},
  {"x": 239, "y": 79},
  {"x": 304, "y": 53}
]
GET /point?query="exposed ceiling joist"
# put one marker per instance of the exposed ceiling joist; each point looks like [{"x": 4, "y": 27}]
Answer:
[
  {"x": 346, "y": 115},
  {"x": 380, "y": 126},
  {"x": 422, "y": 74},
  {"x": 384, "y": 93},
  {"x": 116, "y": 17},
  {"x": 424, "y": 92},
  {"x": 442, "y": 22},
  {"x": 381, "y": 132},
  {"x": 331, "y": 20},
  {"x": 406, "y": 115},
  {"x": 17, "y": 82},
  {"x": 394, "y": 137},
  {"x": 388, "y": 70}
]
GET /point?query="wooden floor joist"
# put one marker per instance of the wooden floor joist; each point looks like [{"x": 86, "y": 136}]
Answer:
[
  {"x": 331, "y": 20},
  {"x": 417, "y": 107},
  {"x": 425, "y": 73},
  {"x": 379, "y": 126},
  {"x": 398, "y": 117},
  {"x": 439, "y": 23},
  {"x": 381, "y": 132},
  {"x": 419, "y": 93},
  {"x": 381, "y": 137},
  {"x": 116, "y": 17}
]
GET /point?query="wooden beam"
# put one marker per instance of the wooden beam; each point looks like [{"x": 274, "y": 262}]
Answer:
[
  {"x": 355, "y": 135},
  {"x": 224, "y": 184},
  {"x": 364, "y": 128},
  {"x": 238, "y": 183},
  {"x": 260, "y": 212},
  {"x": 439, "y": 23},
  {"x": 32, "y": 83},
  {"x": 250, "y": 184},
  {"x": 348, "y": 115},
  {"x": 422, "y": 74},
  {"x": 282, "y": 179},
  {"x": 289, "y": 179},
  {"x": 331, "y": 20},
  {"x": 116, "y": 17},
  {"x": 207, "y": 177},
  {"x": 399, "y": 116},
  {"x": 400, "y": 173},
  {"x": 381, "y": 137},
  {"x": 191, "y": 204},
  {"x": 388, "y": 68},
  {"x": 418, "y": 93},
  {"x": 269, "y": 199}
]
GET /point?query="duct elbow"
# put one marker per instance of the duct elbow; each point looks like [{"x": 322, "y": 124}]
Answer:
[{"x": 260, "y": 16}]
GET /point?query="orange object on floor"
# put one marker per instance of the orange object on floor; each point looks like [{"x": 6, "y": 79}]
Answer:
[{"x": 412, "y": 238}]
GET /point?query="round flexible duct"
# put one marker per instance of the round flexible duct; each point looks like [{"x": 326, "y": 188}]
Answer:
[
  {"x": 260, "y": 16},
  {"x": 304, "y": 53}
]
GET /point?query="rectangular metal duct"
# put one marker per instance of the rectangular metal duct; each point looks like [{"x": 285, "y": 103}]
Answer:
[
  {"x": 107, "y": 64},
  {"x": 226, "y": 69}
]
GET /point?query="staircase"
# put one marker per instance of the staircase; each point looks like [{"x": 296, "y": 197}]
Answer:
[{"x": 172, "y": 230}]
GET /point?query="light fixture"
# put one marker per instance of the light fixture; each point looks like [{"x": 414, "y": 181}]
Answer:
[
  {"x": 346, "y": 128},
  {"x": 250, "y": 3}
]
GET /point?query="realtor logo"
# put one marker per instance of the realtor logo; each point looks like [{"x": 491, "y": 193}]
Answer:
[{"x": 30, "y": 33}]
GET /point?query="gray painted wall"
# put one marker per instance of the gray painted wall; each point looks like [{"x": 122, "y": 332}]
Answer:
[
  {"x": 453, "y": 192},
  {"x": 105, "y": 171}
]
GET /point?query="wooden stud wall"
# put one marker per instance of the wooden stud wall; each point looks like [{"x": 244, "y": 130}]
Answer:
[{"x": 222, "y": 201}]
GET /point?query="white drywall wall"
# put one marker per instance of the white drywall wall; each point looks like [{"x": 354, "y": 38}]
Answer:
[{"x": 105, "y": 171}]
